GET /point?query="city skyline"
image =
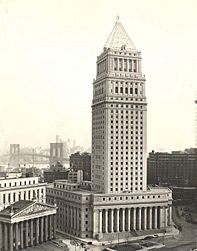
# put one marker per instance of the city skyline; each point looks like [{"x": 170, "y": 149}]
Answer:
[{"x": 46, "y": 84}]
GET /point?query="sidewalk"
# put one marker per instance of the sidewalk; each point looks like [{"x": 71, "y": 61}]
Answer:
[{"x": 102, "y": 244}]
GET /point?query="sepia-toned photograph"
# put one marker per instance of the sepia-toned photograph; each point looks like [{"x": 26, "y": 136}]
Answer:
[{"x": 98, "y": 125}]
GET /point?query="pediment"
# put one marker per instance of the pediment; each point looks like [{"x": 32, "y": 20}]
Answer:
[{"x": 33, "y": 209}]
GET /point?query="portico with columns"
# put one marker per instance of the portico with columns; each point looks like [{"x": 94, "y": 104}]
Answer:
[
  {"x": 155, "y": 214},
  {"x": 26, "y": 224}
]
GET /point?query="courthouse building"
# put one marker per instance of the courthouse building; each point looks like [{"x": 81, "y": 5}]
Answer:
[
  {"x": 26, "y": 224},
  {"x": 15, "y": 189},
  {"x": 119, "y": 201}
]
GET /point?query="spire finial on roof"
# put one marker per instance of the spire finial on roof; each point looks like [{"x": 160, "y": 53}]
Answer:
[{"x": 117, "y": 18}]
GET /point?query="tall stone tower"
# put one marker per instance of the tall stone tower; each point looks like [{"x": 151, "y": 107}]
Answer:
[
  {"x": 119, "y": 120},
  {"x": 120, "y": 202}
]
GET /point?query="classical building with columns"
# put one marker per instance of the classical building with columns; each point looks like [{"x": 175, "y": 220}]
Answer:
[
  {"x": 26, "y": 224},
  {"x": 120, "y": 200}
]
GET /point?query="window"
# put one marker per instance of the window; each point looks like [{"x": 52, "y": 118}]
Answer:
[
  {"x": 116, "y": 89},
  {"x": 130, "y": 65},
  {"x": 120, "y": 64}
]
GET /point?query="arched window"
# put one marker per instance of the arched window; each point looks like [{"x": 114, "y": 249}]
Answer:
[
  {"x": 136, "y": 91},
  {"x": 121, "y": 89},
  {"x": 116, "y": 89},
  {"x": 131, "y": 90},
  {"x": 126, "y": 90}
]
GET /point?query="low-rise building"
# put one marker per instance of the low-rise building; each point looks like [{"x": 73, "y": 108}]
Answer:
[
  {"x": 177, "y": 168},
  {"x": 16, "y": 189},
  {"x": 75, "y": 176},
  {"x": 26, "y": 223},
  {"x": 81, "y": 161},
  {"x": 52, "y": 175}
]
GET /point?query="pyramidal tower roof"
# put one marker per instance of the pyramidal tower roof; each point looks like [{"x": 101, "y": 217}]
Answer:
[{"x": 119, "y": 38}]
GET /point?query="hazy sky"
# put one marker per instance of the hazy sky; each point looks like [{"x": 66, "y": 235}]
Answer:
[{"x": 48, "y": 51}]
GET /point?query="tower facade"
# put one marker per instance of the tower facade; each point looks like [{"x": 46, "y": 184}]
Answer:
[{"x": 119, "y": 118}]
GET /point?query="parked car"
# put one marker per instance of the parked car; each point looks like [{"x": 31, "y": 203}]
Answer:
[{"x": 148, "y": 237}]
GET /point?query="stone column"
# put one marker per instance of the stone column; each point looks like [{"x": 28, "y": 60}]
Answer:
[
  {"x": 136, "y": 66},
  {"x": 112, "y": 220},
  {"x": 100, "y": 221},
  {"x": 129, "y": 219},
  {"x": 31, "y": 232},
  {"x": 46, "y": 228},
  {"x": 41, "y": 229},
  {"x": 37, "y": 231},
  {"x": 150, "y": 218},
  {"x": 161, "y": 212},
  {"x": 74, "y": 219},
  {"x": 26, "y": 233},
  {"x": 117, "y": 219},
  {"x": 71, "y": 217},
  {"x": 145, "y": 218},
  {"x": 16, "y": 235},
  {"x": 155, "y": 220},
  {"x": 134, "y": 218},
  {"x": 170, "y": 215},
  {"x": 21, "y": 235},
  {"x": 54, "y": 226},
  {"x": 10, "y": 237},
  {"x": 123, "y": 219},
  {"x": 106, "y": 220},
  {"x": 1, "y": 236},
  {"x": 5, "y": 236},
  {"x": 166, "y": 219},
  {"x": 50, "y": 227},
  {"x": 140, "y": 219},
  {"x": 140, "y": 67}
]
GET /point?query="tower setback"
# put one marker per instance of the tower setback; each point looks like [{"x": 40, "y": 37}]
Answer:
[{"x": 119, "y": 118}]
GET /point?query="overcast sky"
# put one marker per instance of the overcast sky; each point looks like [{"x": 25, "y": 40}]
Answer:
[{"x": 48, "y": 51}]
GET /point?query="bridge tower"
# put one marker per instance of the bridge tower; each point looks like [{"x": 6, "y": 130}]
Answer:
[
  {"x": 56, "y": 154},
  {"x": 14, "y": 155}
]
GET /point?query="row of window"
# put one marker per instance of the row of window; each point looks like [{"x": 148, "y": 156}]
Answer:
[
  {"x": 131, "y": 197},
  {"x": 25, "y": 195},
  {"x": 126, "y": 90},
  {"x": 99, "y": 110},
  {"x": 126, "y": 65},
  {"x": 123, "y": 189},
  {"x": 12, "y": 184}
]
